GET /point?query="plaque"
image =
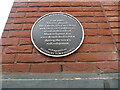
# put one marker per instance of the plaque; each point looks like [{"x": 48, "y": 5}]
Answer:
[{"x": 57, "y": 34}]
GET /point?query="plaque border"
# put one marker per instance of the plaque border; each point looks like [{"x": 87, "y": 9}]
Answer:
[{"x": 57, "y": 55}]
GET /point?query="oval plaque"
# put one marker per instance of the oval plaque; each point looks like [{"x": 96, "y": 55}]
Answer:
[{"x": 57, "y": 34}]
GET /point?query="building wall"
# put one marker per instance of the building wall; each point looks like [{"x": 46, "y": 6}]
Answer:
[{"x": 98, "y": 53}]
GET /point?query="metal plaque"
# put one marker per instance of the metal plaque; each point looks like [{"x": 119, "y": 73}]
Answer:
[{"x": 57, "y": 34}]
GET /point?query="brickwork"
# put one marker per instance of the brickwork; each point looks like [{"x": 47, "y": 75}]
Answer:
[{"x": 98, "y": 53}]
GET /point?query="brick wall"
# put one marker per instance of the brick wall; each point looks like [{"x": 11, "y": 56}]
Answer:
[{"x": 98, "y": 53}]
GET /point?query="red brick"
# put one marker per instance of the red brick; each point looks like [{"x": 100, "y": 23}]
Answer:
[
  {"x": 96, "y": 4},
  {"x": 45, "y": 68},
  {"x": 114, "y": 24},
  {"x": 97, "y": 32},
  {"x": 30, "y": 58},
  {"x": 10, "y": 41},
  {"x": 102, "y": 25},
  {"x": 111, "y": 8},
  {"x": 113, "y": 19},
  {"x": 91, "y": 9},
  {"x": 36, "y": 4},
  {"x": 19, "y": 33},
  {"x": 34, "y": 14},
  {"x": 45, "y": 9},
  {"x": 112, "y": 13},
  {"x": 27, "y": 9},
  {"x": 105, "y": 56},
  {"x": 35, "y": 50},
  {"x": 91, "y": 19},
  {"x": 25, "y": 41},
  {"x": 81, "y": 14},
  {"x": 5, "y": 34},
  {"x": 91, "y": 39},
  {"x": 13, "y": 10},
  {"x": 106, "y": 39},
  {"x": 116, "y": 31},
  {"x": 8, "y": 58},
  {"x": 98, "y": 14},
  {"x": 81, "y": 4},
  {"x": 13, "y": 26},
  {"x": 117, "y": 39},
  {"x": 20, "y": 5},
  {"x": 91, "y": 67},
  {"x": 110, "y": 3},
  {"x": 19, "y": 49},
  {"x": 10, "y": 20},
  {"x": 14, "y": 15},
  {"x": 65, "y": 9},
  {"x": 89, "y": 25},
  {"x": 69, "y": 58},
  {"x": 61, "y": 4},
  {"x": 25, "y": 20},
  {"x": 2, "y": 49},
  {"x": 15, "y": 67},
  {"x": 97, "y": 48},
  {"x": 27, "y": 26}
]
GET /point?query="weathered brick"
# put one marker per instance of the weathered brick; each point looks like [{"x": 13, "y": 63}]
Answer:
[
  {"x": 20, "y": 5},
  {"x": 13, "y": 10},
  {"x": 15, "y": 67},
  {"x": 10, "y": 20},
  {"x": 113, "y": 19},
  {"x": 112, "y": 13},
  {"x": 25, "y": 41},
  {"x": 13, "y": 26},
  {"x": 97, "y": 48},
  {"x": 45, "y": 9},
  {"x": 16, "y": 15},
  {"x": 35, "y": 50},
  {"x": 30, "y": 58},
  {"x": 81, "y": 4},
  {"x": 101, "y": 56},
  {"x": 19, "y": 33},
  {"x": 27, "y": 9},
  {"x": 8, "y": 58},
  {"x": 106, "y": 39},
  {"x": 19, "y": 49},
  {"x": 89, "y": 25},
  {"x": 65, "y": 9},
  {"x": 117, "y": 39},
  {"x": 97, "y": 32},
  {"x": 5, "y": 34},
  {"x": 102, "y": 25},
  {"x": 99, "y": 14},
  {"x": 91, "y": 9},
  {"x": 10, "y": 41},
  {"x": 91, "y": 67},
  {"x": 35, "y": 14},
  {"x": 25, "y": 20},
  {"x": 45, "y": 68},
  {"x": 111, "y": 8},
  {"x": 110, "y": 3},
  {"x": 41, "y": 4},
  {"x": 27, "y": 26},
  {"x": 116, "y": 31},
  {"x": 61, "y": 4},
  {"x": 114, "y": 24}
]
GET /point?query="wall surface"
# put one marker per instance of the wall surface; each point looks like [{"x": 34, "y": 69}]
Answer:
[{"x": 98, "y": 53}]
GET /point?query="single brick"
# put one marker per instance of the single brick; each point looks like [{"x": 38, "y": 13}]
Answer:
[
  {"x": 13, "y": 10},
  {"x": 25, "y": 20},
  {"x": 111, "y": 8},
  {"x": 101, "y": 56},
  {"x": 15, "y": 67},
  {"x": 117, "y": 39},
  {"x": 35, "y": 14},
  {"x": 91, "y": 9},
  {"x": 27, "y": 26},
  {"x": 33, "y": 9},
  {"x": 106, "y": 39},
  {"x": 99, "y": 14},
  {"x": 30, "y": 58},
  {"x": 89, "y": 25},
  {"x": 5, "y": 34},
  {"x": 110, "y": 3},
  {"x": 19, "y": 33},
  {"x": 19, "y": 49},
  {"x": 25, "y": 41},
  {"x": 81, "y": 4},
  {"x": 65, "y": 9},
  {"x": 10, "y": 20},
  {"x": 97, "y": 48},
  {"x": 112, "y": 13},
  {"x": 113, "y": 19},
  {"x": 45, "y": 68},
  {"x": 91, "y": 67},
  {"x": 16, "y": 15},
  {"x": 61, "y": 4},
  {"x": 45, "y": 9},
  {"x": 20, "y": 5},
  {"x": 114, "y": 24},
  {"x": 102, "y": 25},
  {"x": 10, "y": 41},
  {"x": 40, "y": 4},
  {"x": 13, "y": 26},
  {"x": 116, "y": 31},
  {"x": 8, "y": 58}
]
